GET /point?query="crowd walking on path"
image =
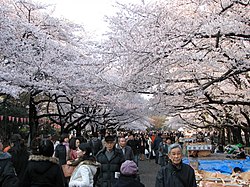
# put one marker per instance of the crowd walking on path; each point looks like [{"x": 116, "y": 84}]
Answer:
[{"x": 100, "y": 160}]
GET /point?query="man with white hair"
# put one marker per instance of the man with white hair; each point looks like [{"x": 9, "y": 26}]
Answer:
[{"x": 175, "y": 173}]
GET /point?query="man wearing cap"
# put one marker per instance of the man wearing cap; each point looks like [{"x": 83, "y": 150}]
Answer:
[
  {"x": 175, "y": 173},
  {"x": 111, "y": 160}
]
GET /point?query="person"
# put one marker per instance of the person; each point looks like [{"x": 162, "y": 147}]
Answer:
[
  {"x": 111, "y": 160},
  {"x": 8, "y": 176},
  {"x": 135, "y": 145},
  {"x": 126, "y": 150},
  {"x": 128, "y": 177},
  {"x": 19, "y": 154},
  {"x": 155, "y": 147},
  {"x": 96, "y": 144},
  {"x": 43, "y": 169},
  {"x": 148, "y": 147},
  {"x": 175, "y": 173},
  {"x": 163, "y": 150},
  {"x": 240, "y": 154},
  {"x": 62, "y": 149},
  {"x": 73, "y": 146},
  {"x": 84, "y": 173}
]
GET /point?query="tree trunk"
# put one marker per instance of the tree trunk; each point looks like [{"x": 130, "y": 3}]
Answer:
[
  {"x": 235, "y": 135},
  {"x": 222, "y": 132},
  {"x": 33, "y": 122},
  {"x": 246, "y": 134},
  {"x": 239, "y": 137},
  {"x": 229, "y": 137}
]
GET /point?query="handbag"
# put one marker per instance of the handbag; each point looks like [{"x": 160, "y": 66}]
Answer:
[{"x": 68, "y": 170}]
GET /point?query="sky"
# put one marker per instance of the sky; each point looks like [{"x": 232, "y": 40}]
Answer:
[{"x": 87, "y": 12}]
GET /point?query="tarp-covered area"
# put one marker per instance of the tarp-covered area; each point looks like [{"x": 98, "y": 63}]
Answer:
[{"x": 222, "y": 166}]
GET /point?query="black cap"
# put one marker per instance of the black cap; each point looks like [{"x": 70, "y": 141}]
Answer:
[{"x": 109, "y": 138}]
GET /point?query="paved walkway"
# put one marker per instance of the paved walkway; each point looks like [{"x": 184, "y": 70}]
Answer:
[{"x": 148, "y": 171}]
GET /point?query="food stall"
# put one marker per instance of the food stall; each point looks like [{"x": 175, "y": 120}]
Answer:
[{"x": 199, "y": 149}]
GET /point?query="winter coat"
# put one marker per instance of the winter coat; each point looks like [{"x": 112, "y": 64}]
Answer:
[
  {"x": 8, "y": 175},
  {"x": 171, "y": 176},
  {"x": 96, "y": 145},
  {"x": 128, "y": 181},
  {"x": 135, "y": 145},
  {"x": 106, "y": 177},
  {"x": 83, "y": 175},
  {"x": 43, "y": 172},
  {"x": 156, "y": 143},
  {"x": 19, "y": 158},
  {"x": 61, "y": 153},
  {"x": 129, "y": 155}
]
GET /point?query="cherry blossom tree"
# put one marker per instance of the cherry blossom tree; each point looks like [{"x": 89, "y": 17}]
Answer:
[
  {"x": 192, "y": 57},
  {"x": 51, "y": 58}
]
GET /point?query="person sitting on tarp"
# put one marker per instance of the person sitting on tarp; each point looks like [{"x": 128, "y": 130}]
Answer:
[
  {"x": 240, "y": 154},
  {"x": 236, "y": 173}
]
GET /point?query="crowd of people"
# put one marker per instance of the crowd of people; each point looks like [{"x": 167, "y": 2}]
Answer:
[{"x": 109, "y": 160}]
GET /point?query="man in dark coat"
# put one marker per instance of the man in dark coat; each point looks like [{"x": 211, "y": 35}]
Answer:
[
  {"x": 111, "y": 160},
  {"x": 135, "y": 145},
  {"x": 43, "y": 169},
  {"x": 96, "y": 144},
  {"x": 19, "y": 154},
  {"x": 176, "y": 173},
  {"x": 155, "y": 146},
  {"x": 8, "y": 175},
  {"x": 62, "y": 149},
  {"x": 125, "y": 149}
]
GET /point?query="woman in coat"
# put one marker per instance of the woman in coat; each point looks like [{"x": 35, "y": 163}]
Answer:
[
  {"x": 84, "y": 173},
  {"x": 43, "y": 170}
]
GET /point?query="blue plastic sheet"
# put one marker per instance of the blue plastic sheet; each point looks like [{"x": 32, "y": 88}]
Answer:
[{"x": 222, "y": 166}]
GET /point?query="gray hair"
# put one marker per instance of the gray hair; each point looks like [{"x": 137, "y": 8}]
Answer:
[{"x": 173, "y": 146}]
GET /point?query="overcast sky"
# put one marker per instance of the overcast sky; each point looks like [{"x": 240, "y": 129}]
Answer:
[{"x": 88, "y": 12}]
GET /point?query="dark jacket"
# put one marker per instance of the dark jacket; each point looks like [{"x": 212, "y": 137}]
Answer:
[
  {"x": 19, "y": 158},
  {"x": 129, "y": 155},
  {"x": 156, "y": 143},
  {"x": 106, "y": 177},
  {"x": 171, "y": 176},
  {"x": 128, "y": 181},
  {"x": 96, "y": 145},
  {"x": 8, "y": 175},
  {"x": 135, "y": 145},
  {"x": 61, "y": 153},
  {"x": 43, "y": 172}
]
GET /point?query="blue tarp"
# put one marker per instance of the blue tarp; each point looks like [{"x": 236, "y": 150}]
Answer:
[{"x": 222, "y": 166}]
